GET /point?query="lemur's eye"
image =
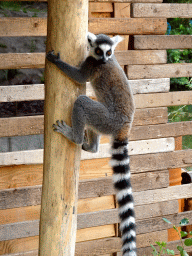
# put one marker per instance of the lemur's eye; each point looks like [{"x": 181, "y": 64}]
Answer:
[
  {"x": 108, "y": 53},
  {"x": 98, "y": 51}
]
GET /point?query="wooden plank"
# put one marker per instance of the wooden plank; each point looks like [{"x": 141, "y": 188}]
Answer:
[
  {"x": 22, "y": 60},
  {"x": 128, "y": 26},
  {"x": 161, "y": 130},
  {"x": 159, "y": 71},
  {"x": 94, "y": 247},
  {"x": 170, "y": 245},
  {"x": 135, "y": 147},
  {"x": 21, "y": 126},
  {"x": 10, "y": 198},
  {"x": 100, "y": 7},
  {"x": 164, "y": 10},
  {"x": 163, "y": 99},
  {"x": 161, "y": 195},
  {"x": 90, "y": 219},
  {"x": 28, "y": 125},
  {"x": 136, "y": 57},
  {"x": 23, "y": 26},
  {"x": 37, "y": 60},
  {"x": 87, "y": 221},
  {"x": 38, "y": 26},
  {"x": 13, "y": 93},
  {"x": 162, "y": 42},
  {"x": 150, "y": 85}
]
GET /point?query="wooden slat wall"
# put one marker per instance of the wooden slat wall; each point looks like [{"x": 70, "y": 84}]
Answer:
[{"x": 152, "y": 146}]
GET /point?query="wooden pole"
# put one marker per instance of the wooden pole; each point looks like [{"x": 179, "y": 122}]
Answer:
[{"x": 67, "y": 32}]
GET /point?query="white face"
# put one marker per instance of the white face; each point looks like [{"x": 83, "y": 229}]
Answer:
[{"x": 102, "y": 51}]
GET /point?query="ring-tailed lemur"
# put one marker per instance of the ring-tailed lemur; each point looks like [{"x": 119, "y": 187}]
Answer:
[{"x": 112, "y": 114}]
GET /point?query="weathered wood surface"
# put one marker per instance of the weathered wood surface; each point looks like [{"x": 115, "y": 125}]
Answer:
[
  {"x": 163, "y": 99},
  {"x": 13, "y": 93},
  {"x": 23, "y": 26},
  {"x": 9, "y": 197},
  {"x": 101, "y": 7},
  {"x": 38, "y": 26},
  {"x": 162, "y": 42},
  {"x": 37, "y": 60},
  {"x": 135, "y": 147},
  {"x": 139, "y": 163},
  {"x": 21, "y": 126},
  {"x": 88, "y": 221},
  {"x": 31, "y": 213},
  {"x": 128, "y": 26},
  {"x": 30, "y": 176},
  {"x": 159, "y": 71},
  {"x": 94, "y": 247},
  {"x": 22, "y": 60},
  {"x": 148, "y": 10}
]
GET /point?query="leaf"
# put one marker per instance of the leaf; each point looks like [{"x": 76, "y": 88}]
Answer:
[
  {"x": 184, "y": 222},
  {"x": 170, "y": 252},
  {"x": 167, "y": 221},
  {"x": 188, "y": 242},
  {"x": 180, "y": 248},
  {"x": 183, "y": 233},
  {"x": 153, "y": 248},
  {"x": 185, "y": 253}
]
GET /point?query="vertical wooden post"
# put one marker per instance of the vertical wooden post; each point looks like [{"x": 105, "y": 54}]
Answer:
[{"x": 67, "y": 32}]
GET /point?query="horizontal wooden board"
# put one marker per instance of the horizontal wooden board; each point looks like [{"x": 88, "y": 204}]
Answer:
[
  {"x": 13, "y": 93},
  {"x": 10, "y": 198},
  {"x": 22, "y": 60},
  {"x": 101, "y": 7},
  {"x": 37, "y": 60},
  {"x": 31, "y": 175},
  {"x": 38, "y": 26},
  {"x": 161, "y": 195},
  {"x": 90, "y": 219},
  {"x": 159, "y": 71},
  {"x": 12, "y": 26},
  {"x": 94, "y": 247},
  {"x": 163, "y": 99},
  {"x": 86, "y": 222},
  {"x": 164, "y": 10},
  {"x": 128, "y": 26},
  {"x": 135, "y": 147},
  {"x": 154, "y": 42}
]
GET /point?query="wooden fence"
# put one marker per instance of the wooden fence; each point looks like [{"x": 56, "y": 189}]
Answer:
[{"x": 152, "y": 141}]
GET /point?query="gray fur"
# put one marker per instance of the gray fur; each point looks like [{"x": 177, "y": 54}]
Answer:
[{"x": 114, "y": 108}]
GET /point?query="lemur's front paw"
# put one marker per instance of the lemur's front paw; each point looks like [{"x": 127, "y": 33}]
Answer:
[
  {"x": 60, "y": 126},
  {"x": 52, "y": 57}
]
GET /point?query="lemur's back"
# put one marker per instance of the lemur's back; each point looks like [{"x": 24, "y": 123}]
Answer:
[{"x": 112, "y": 87}]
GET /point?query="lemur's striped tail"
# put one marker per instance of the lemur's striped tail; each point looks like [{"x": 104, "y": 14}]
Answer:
[{"x": 122, "y": 184}]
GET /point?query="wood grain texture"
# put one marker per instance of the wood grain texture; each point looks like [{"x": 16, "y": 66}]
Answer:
[
  {"x": 135, "y": 147},
  {"x": 22, "y": 126},
  {"x": 23, "y": 26},
  {"x": 94, "y": 247},
  {"x": 163, "y": 99},
  {"x": 141, "y": 198},
  {"x": 100, "y": 7},
  {"x": 128, "y": 26},
  {"x": 36, "y": 91},
  {"x": 37, "y": 60},
  {"x": 159, "y": 71},
  {"x": 38, "y": 26},
  {"x": 153, "y": 42},
  {"x": 93, "y": 225},
  {"x": 148, "y": 10}
]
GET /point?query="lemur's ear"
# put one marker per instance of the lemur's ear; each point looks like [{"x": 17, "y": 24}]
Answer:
[
  {"x": 116, "y": 40},
  {"x": 91, "y": 38}
]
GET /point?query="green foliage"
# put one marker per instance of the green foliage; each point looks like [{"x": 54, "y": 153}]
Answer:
[{"x": 181, "y": 248}]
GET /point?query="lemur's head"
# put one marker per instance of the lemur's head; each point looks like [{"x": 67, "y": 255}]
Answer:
[{"x": 101, "y": 47}]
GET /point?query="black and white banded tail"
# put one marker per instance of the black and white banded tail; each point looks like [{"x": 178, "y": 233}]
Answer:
[{"x": 122, "y": 184}]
